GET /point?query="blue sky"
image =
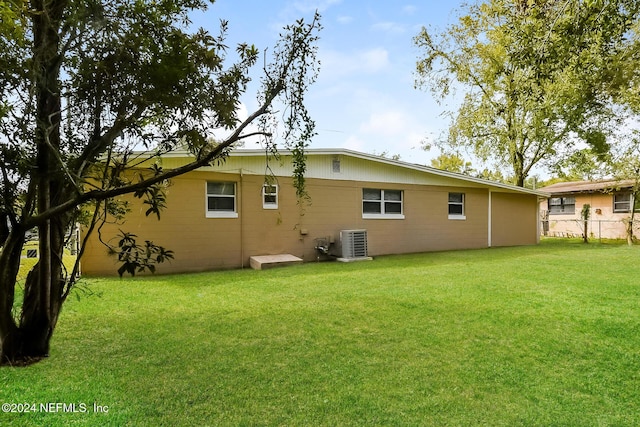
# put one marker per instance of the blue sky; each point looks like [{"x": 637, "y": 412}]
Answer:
[{"x": 364, "y": 98}]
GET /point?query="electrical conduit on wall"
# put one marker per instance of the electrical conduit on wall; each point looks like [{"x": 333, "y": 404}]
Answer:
[
  {"x": 241, "y": 213},
  {"x": 489, "y": 229}
]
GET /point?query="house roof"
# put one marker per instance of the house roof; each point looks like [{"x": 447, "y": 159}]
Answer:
[
  {"x": 399, "y": 163},
  {"x": 587, "y": 186},
  {"x": 413, "y": 167}
]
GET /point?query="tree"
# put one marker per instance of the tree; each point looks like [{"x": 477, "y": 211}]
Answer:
[
  {"x": 493, "y": 175},
  {"x": 385, "y": 155},
  {"x": 86, "y": 87},
  {"x": 455, "y": 163},
  {"x": 538, "y": 74},
  {"x": 452, "y": 163},
  {"x": 585, "y": 214},
  {"x": 624, "y": 166},
  {"x": 582, "y": 165}
]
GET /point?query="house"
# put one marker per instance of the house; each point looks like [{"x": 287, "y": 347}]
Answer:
[
  {"x": 610, "y": 206},
  {"x": 220, "y": 216}
]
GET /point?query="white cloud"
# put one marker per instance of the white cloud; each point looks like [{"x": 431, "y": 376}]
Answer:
[
  {"x": 409, "y": 9},
  {"x": 356, "y": 144},
  {"x": 374, "y": 59},
  {"x": 338, "y": 64},
  {"x": 343, "y": 19},
  {"x": 292, "y": 10},
  {"x": 242, "y": 111},
  {"x": 415, "y": 139},
  {"x": 310, "y": 6},
  {"x": 389, "y": 27},
  {"x": 388, "y": 123}
]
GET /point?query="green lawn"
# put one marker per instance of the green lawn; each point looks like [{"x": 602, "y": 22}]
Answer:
[{"x": 545, "y": 335}]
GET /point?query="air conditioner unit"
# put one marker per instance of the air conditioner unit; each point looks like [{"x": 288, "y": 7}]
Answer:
[{"x": 353, "y": 244}]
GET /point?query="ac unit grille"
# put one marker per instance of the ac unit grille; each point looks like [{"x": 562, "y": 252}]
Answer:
[{"x": 354, "y": 243}]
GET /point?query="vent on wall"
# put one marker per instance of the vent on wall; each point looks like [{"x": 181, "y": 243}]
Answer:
[
  {"x": 336, "y": 165},
  {"x": 354, "y": 244}
]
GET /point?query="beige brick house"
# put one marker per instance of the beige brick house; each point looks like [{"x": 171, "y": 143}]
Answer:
[{"x": 220, "y": 216}]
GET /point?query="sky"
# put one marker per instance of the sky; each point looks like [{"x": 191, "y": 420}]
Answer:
[{"x": 364, "y": 98}]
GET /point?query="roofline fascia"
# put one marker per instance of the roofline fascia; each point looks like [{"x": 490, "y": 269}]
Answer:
[{"x": 604, "y": 190}]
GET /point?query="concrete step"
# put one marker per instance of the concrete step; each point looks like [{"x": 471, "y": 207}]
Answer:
[{"x": 262, "y": 262}]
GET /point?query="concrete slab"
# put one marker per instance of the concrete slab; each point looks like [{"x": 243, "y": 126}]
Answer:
[
  {"x": 362, "y": 258},
  {"x": 262, "y": 262}
]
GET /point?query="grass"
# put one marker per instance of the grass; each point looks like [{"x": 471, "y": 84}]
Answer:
[{"x": 545, "y": 335}]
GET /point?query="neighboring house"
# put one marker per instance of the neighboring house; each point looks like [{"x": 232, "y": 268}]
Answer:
[
  {"x": 610, "y": 206},
  {"x": 220, "y": 216}
]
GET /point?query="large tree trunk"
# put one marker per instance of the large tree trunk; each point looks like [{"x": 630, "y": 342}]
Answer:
[
  {"x": 4, "y": 227},
  {"x": 43, "y": 293},
  {"x": 28, "y": 341},
  {"x": 9, "y": 266},
  {"x": 43, "y": 290}
]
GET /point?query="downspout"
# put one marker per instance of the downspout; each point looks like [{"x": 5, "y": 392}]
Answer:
[
  {"x": 538, "y": 219},
  {"x": 489, "y": 230},
  {"x": 241, "y": 220}
]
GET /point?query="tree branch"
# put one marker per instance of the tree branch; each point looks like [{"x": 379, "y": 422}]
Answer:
[{"x": 98, "y": 195}]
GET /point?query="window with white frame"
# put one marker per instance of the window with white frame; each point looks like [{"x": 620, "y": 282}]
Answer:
[
  {"x": 456, "y": 206},
  {"x": 270, "y": 196},
  {"x": 622, "y": 203},
  {"x": 562, "y": 205},
  {"x": 378, "y": 203},
  {"x": 221, "y": 200}
]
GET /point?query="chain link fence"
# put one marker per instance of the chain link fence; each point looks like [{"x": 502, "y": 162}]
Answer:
[{"x": 596, "y": 229}]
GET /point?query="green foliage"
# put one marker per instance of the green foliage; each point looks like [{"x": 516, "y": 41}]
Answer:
[
  {"x": 493, "y": 175},
  {"x": 455, "y": 163},
  {"x": 126, "y": 75},
  {"x": 155, "y": 195},
  {"x": 84, "y": 86},
  {"x": 386, "y": 155},
  {"x": 538, "y": 77},
  {"x": 135, "y": 258},
  {"x": 292, "y": 71},
  {"x": 624, "y": 165},
  {"x": 583, "y": 165},
  {"x": 452, "y": 163},
  {"x": 585, "y": 214}
]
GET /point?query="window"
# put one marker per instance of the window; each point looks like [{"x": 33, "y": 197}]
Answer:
[
  {"x": 562, "y": 205},
  {"x": 382, "y": 204},
  {"x": 456, "y": 206},
  {"x": 622, "y": 203},
  {"x": 221, "y": 200},
  {"x": 270, "y": 196}
]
